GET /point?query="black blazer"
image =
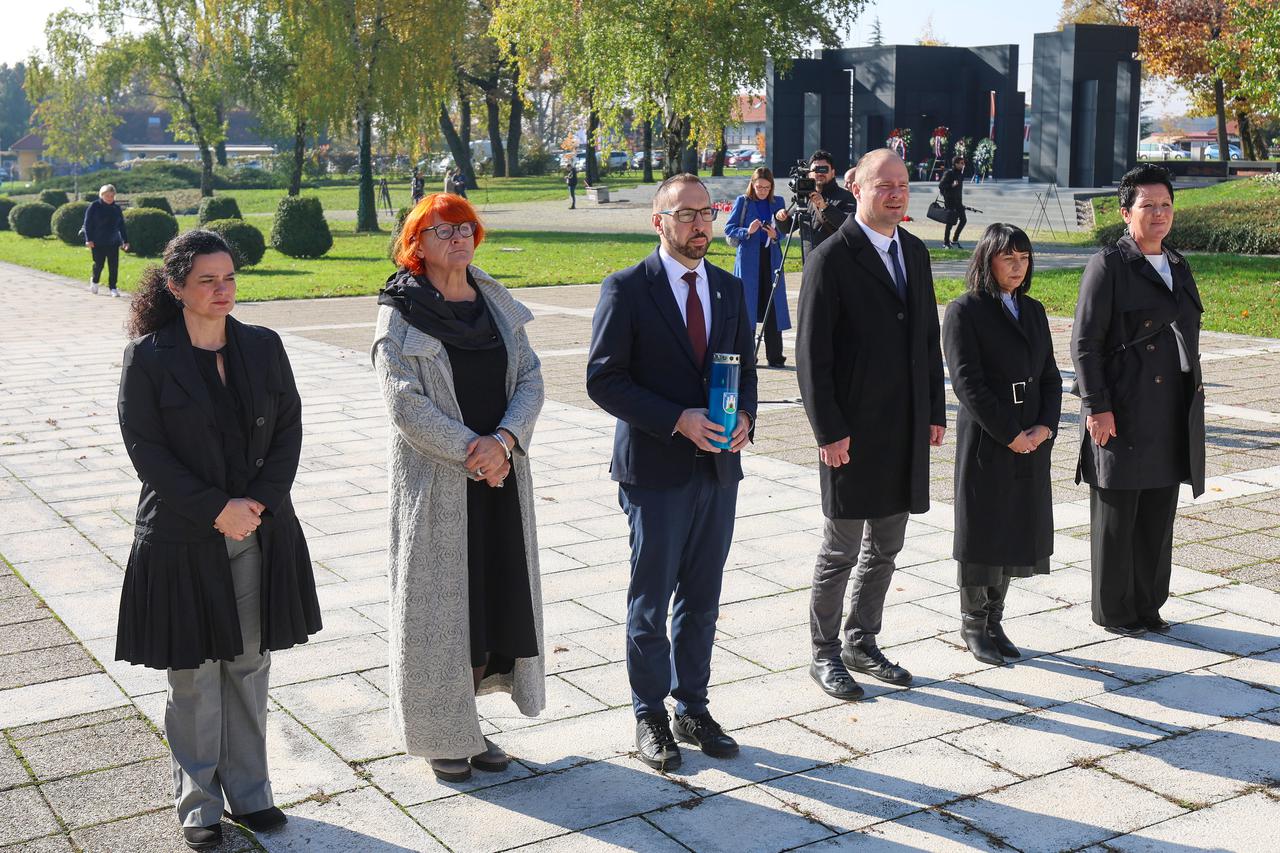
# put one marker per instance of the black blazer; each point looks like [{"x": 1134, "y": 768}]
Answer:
[
  {"x": 1159, "y": 412},
  {"x": 1005, "y": 377},
  {"x": 641, "y": 370},
  {"x": 870, "y": 368},
  {"x": 167, "y": 420}
]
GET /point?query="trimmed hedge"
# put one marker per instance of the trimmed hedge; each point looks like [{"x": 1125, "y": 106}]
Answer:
[
  {"x": 149, "y": 230},
  {"x": 67, "y": 222},
  {"x": 1246, "y": 227},
  {"x": 54, "y": 198},
  {"x": 89, "y": 197},
  {"x": 6, "y": 204},
  {"x": 246, "y": 241},
  {"x": 216, "y": 207},
  {"x": 300, "y": 229},
  {"x": 31, "y": 219},
  {"x": 158, "y": 202}
]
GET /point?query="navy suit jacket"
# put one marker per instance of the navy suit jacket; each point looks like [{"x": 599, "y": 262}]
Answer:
[{"x": 641, "y": 370}]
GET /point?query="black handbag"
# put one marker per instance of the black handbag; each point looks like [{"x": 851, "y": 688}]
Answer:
[{"x": 938, "y": 212}]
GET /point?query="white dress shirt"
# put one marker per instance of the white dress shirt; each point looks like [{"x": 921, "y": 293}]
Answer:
[
  {"x": 680, "y": 288},
  {"x": 1161, "y": 264},
  {"x": 881, "y": 244}
]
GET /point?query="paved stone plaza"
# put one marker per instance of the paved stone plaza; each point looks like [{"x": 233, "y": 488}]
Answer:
[{"x": 1091, "y": 742}]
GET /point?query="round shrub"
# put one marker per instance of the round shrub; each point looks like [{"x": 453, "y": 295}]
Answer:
[
  {"x": 31, "y": 219},
  {"x": 300, "y": 229},
  {"x": 149, "y": 230},
  {"x": 67, "y": 222},
  {"x": 158, "y": 202},
  {"x": 246, "y": 241},
  {"x": 89, "y": 197},
  {"x": 54, "y": 198},
  {"x": 6, "y": 204},
  {"x": 218, "y": 207}
]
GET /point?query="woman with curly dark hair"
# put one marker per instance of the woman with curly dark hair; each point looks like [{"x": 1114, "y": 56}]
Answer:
[{"x": 219, "y": 574}]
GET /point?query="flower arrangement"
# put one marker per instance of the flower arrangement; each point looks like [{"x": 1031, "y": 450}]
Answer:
[
  {"x": 984, "y": 156},
  {"x": 963, "y": 146},
  {"x": 939, "y": 140},
  {"x": 900, "y": 141}
]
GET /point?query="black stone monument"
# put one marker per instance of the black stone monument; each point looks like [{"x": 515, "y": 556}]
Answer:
[
  {"x": 1084, "y": 105},
  {"x": 848, "y": 100}
]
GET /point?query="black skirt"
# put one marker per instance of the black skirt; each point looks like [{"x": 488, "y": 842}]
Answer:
[
  {"x": 500, "y": 605},
  {"x": 982, "y": 574}
]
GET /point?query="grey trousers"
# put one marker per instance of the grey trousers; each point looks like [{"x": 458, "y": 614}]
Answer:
[
  {"x": 216, "y": 717},
  {"x": 869, "y": 544}
]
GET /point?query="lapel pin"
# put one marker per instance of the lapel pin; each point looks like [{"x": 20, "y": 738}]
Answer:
[{"x": 717, "y": 294}]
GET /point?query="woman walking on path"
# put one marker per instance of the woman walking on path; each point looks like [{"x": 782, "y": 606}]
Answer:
[
  {"x": 463, "y": 389},
  {"x": 1136, "y": 348},
  {"x": 759, "y": 258},
  {"x": 952, "y": 189},
  {"x": 105, "y": 236},
  {"x": 219, "y": 575},
  {"x": 1000, "y": 356}
]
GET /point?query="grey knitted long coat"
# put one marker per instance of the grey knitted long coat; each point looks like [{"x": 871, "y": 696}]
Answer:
[{"x": 433, "y": 704}]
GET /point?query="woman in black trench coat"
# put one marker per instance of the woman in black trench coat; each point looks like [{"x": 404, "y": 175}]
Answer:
[
  {"x": 1136, "y": 348},
  {"x": 219, "y": 574},
  {"x": 1000, "y": 355}
]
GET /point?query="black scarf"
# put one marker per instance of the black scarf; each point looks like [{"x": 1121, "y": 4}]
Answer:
[{"x": 425, "y": 309}]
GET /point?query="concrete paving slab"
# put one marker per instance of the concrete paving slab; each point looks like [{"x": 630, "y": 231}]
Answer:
[
  {"x": 136, "y": 788},
  {"x": 157, "y": 832},
  {"x": 747, "y": 819},
  {"x": 934, "y": 831},
  {"x": 1188, "y": 700},
  {"x": 51, "y": 700},
  {"x": 302, "y": 766},
  {"x": 24, "y": 815},
  {"x": 362, "y": 821},
  {"x": 629, "y": 834},
  {"x": 1228, "y": 826}
]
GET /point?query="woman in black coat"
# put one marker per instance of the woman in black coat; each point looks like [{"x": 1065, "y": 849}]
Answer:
[
  {"x": 1000, "y": 355},
  {"x": 951, "y": 186},
  {"x": 219, "y": 574},
  {"x": 1136, "y": 348}
]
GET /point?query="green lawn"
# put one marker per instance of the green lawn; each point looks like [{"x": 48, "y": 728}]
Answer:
[{"x": 1241, "y": 293}]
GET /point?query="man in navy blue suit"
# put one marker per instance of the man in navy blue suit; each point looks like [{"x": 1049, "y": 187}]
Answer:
[{"x": 655, "y": 329}]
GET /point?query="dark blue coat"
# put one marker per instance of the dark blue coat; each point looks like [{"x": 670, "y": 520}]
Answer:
[
  {"x": 104, "y": 224},
  {"x": 746, "y": 265},
  {"x": 642, "y": 371}
]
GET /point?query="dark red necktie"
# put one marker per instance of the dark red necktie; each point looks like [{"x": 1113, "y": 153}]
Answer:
[{"x": 696, "y": 319}]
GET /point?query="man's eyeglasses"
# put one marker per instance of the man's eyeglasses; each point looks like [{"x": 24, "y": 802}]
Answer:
[
  {"x": 446, "y": 230},
  {"x": 821, "y": 170},
  {"x": 688, "y": 214}
]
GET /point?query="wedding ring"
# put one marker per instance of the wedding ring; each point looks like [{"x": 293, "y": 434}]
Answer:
[{"x": 480, "y": 471}]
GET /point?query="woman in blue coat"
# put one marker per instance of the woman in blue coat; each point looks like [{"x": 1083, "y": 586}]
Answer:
[{"x": 759, "y": 257}]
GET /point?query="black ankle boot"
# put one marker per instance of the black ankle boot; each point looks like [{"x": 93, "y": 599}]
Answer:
[
  {"x": 996, "y": 632},
  {"x": 973, "y": 630}
]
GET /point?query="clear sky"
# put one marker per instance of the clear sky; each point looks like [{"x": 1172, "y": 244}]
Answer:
[{"x": 958, "y": 22}]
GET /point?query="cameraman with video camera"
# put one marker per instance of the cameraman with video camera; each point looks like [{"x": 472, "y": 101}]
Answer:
[{"x": 821, "y": 212}]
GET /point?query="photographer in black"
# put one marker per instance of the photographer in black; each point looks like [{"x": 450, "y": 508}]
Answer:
[{"x": 825, "y": 209}]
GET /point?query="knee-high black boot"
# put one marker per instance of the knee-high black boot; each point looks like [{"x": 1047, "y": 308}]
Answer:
[{"x": 995, "y": 611}]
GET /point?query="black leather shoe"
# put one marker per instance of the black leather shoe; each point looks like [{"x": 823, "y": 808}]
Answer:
[
  {"x": 834, "y": 679},
  {"x": 654, "y": 743},
  {"x": 260, "y": 821},
  {"x": 1155, "y": 623},
  {"x": 973, "y": 630},
  {"x": 202, "y": 837},
  {"x": 867, "y": 657},
  {"x": 1133, "y": 629},
  {"x": 996, "y": 632},
  {"x": 705, "y": 733},
  {"x": 778, "y": 362}
]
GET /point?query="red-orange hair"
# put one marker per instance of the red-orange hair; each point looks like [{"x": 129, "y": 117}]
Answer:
[{"x": 452, "y": 208}]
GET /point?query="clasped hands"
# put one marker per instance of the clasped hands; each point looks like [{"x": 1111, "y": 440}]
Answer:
[
  {"x": 487, "y": 459},
  {"x": 1028, "y": 440},
  {"x": 239, "y": 518},
  {"x": 694, "y": 425},
  {"x": 836, "y": 453},
  {"x": 1102, "y": 427}
]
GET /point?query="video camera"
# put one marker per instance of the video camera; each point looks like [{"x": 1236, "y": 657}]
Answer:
[{"x": 801, "y": 185}]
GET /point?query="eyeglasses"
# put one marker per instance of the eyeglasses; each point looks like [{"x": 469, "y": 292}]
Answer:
[
  {"x": 821, "y": 170},
  {"x": 446, "y": 230},
  {"x": 688, "y": 214}
]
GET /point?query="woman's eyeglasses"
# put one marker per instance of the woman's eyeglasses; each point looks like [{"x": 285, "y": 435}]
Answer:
[
  {"x": 688, "y": 214},
  {"x": 446, "y": 230}
]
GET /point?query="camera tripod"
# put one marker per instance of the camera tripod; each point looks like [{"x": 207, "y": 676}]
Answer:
[{"x": 795, "y": 219}]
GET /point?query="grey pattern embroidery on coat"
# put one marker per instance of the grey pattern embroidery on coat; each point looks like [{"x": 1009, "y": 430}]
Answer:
[{"x": 433, "y": 706}]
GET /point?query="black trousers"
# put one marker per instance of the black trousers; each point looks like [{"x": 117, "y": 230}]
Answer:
[
  {"x": 764, "y": 289},
  {"x": 958, "y": 222},
  {"x": 110, "y": 255},
  {"x": 1132, "y": 550},
  {"x": 573, "y": 195}
]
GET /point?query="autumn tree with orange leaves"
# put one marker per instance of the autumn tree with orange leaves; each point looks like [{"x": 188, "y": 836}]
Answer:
[{"x": 1174, "y": 41}]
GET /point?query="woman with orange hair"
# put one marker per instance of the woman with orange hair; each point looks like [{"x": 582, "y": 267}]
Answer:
[{"x": 463, "y": 389}]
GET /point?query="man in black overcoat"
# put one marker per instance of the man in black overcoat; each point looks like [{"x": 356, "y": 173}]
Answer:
[{"x": 870, "y": 370}]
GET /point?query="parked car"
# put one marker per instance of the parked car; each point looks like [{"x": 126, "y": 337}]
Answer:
[
  {"x": 656, "y": 157},
  {"x": 617, "y": 160},
  {"x": 1161, "y": 151},
  {"x": 1211, "y": 151},
  {"x": 739, "y": 157}
]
